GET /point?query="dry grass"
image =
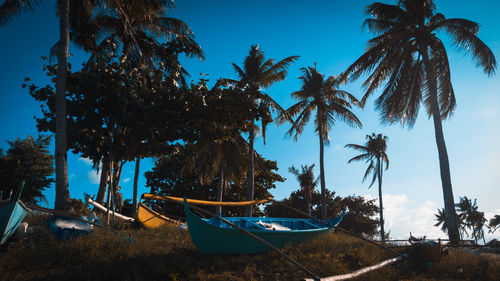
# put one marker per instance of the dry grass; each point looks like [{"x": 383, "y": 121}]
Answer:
[{"x": 168, "y": 254}]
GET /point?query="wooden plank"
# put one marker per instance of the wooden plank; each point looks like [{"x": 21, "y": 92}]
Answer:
[{"x": 361, "y": 271}]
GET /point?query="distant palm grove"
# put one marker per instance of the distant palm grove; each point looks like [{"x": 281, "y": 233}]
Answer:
[{"x": 131, "y": 100}]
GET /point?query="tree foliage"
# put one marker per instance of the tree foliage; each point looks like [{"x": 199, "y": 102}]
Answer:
[
  {"x": 29, "y": 160},
  {"x": 169, "y": 177},
  {"x": 358, "y": 219}
]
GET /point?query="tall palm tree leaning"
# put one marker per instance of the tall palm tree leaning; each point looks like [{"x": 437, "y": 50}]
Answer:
[
  {"x": 8, "y": 10},
  {"x": 407, "y": 54},
  {"x": 373, "y": 152},
  {"x": 330, "y": 103},
  {"x": 258, "y": 73},
  {"x": 307, "y": 182}
]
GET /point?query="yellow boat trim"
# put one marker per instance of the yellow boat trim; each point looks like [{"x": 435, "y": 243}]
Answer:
[
  {"x": 179, "y": 200},
  {"x": 152, "y": 219}
]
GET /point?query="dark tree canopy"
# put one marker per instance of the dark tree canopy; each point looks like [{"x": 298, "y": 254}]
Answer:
[
  {"x": 29, "y": 160},
  {"x": 168, "y": 177},
  {"x": 358, "y": 219}
]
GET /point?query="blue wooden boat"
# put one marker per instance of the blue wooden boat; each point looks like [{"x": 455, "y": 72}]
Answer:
[
  {"x": 12, "y": 213},
  {"x": 213, "y": 236},
  {"x": 65, "y": 228}
]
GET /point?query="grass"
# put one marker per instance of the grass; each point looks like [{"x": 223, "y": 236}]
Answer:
[{"x": 169, "y": 254}]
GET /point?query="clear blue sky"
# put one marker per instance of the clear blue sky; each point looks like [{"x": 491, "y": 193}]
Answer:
[{"x": 328, "y": 33}]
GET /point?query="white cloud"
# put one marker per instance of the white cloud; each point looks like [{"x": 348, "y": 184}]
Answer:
[
  {"x": 125, "y": 180},
  {"x": 85, "y": 160},
  {"x": 403, "y": 216},
  {"x": 94, "y": 177}
]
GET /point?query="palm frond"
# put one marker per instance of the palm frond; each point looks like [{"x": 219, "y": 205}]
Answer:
[{"x": 463, "y": 33}]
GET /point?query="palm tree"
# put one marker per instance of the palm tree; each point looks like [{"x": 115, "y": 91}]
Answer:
[
  {"x": 440, "y": 218},
  {"x": 257, "y": 74},
  {"x": 408, "y": 56},
  {"x": 474, "y": 219},
  {"x": 330, "y": 103},
  {"x": 10, "y": 9},
  {"x": 494, "y": 223},
  {"x": 307, "y": 182},
  {"x": 140, "y": 32},
  {"x": 374, "y": 152},
  {"x": 222, "y": 158}
]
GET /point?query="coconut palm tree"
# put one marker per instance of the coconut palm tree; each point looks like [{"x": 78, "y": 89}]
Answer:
[
  {"x": 373, "y": 152},
  {"x": 307, "y": 182},
  {"x": 257, "y": 74},
  {"x": 474, "y": 219},
  {"x": 10, "y": 9},
  {"x": 409, "y": 57},
  {"x": 440, "y": 218},
  {"x": 494, "y": 223},
  {"x": 331, "y": 104}
]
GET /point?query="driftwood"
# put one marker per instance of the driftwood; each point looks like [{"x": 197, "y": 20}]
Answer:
[{"x": 361, "y": 271}]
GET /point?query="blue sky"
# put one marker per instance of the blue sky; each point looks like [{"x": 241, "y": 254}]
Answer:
[{"x": 328, "y": 33}]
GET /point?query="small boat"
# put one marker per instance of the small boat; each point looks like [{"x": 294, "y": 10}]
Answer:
[
  {"x": 12, "y": 213},
  {"x": 152, "y": 219},
  {"x": 214, "y": 236},
  {"x": 65, "y": 228}
]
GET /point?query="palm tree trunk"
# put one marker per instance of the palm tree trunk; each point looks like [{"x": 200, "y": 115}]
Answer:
[
  {"x": 136, "y": 180},
  {"x": 63, "y": 200},
  {"x": 220, "y": 188},
  {"x": 250, "y": 193},
  {"x": 102, "y": 184},
  {"x": 444, "y": 165},
  {"x": 382, "y": 232},
  {"x": 322, "y": 167}
]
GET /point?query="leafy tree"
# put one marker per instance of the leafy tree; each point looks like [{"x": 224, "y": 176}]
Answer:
[
  {"x": 307, "y": 183},
  {"x": 29, "y": 160},
  {"x": 411, "y": 60},
  {"x": 373, "y": 152},
  {"x": 358, "y": 218},
  {"x": 139, "y": 32},
  {"x": 169, "y": 177},
  {"x": 323, "y": 96},
  {"x": 220, "y": 150},
  {"x": 110, "y": 109},
  {"x": 257, "y": 74}
]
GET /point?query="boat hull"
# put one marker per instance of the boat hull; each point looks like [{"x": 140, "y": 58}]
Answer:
[
  {"x": 212, "y": 236},
  {"x": 152, "y": 219},
  {"x": 11, "y": 215}
]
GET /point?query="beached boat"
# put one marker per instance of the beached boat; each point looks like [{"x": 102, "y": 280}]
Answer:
[
  {"x": 12, "y": 213},
  {"x": 214, "y": 236},
  {"x": 152, "y": 219},
  {"x": 65, "y": 228}
]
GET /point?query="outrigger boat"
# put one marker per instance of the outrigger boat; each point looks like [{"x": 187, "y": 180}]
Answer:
[
  {"x": 216, "y": 236},
  {"x": 12, "y": 213},
  {"x": 152, "y": 219}
]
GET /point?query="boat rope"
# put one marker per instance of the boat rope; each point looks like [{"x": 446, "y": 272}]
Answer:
[
  {"x": 180, "y": 200},
  {"x": 339, "y": 228},
  {"x": 271, "y": 246}
]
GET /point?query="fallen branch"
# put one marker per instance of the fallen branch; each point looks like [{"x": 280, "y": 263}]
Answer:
[{"x": 360, "y": 271}]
